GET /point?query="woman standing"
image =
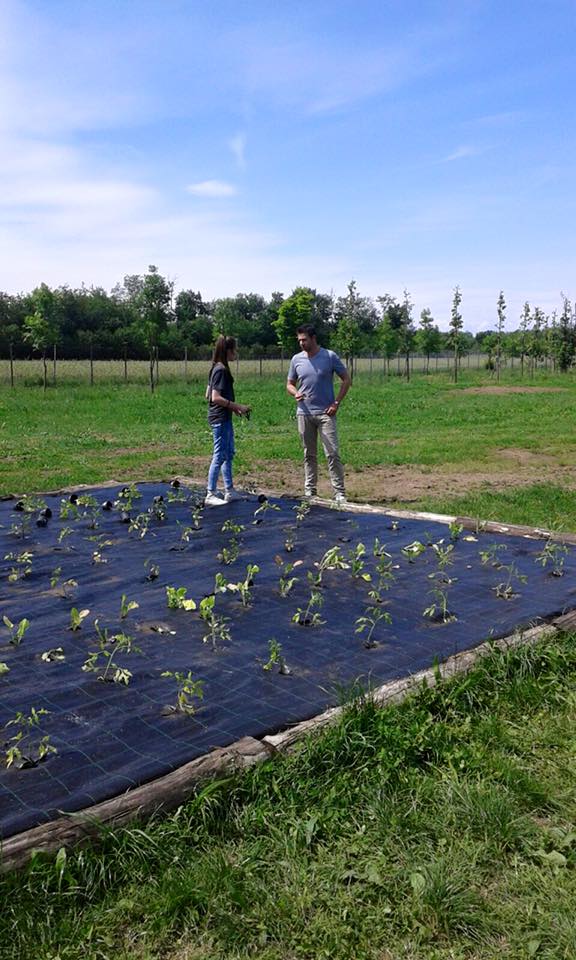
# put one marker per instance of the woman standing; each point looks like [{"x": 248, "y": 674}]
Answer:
[{"x": 221, "y": 406}]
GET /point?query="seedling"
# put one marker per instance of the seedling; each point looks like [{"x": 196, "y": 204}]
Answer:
[
  {"x": 379, "y": 549},
  {"x": 98, "y": 558},
  {"x": 55, "y": 654},
  {"x": 126, "y": 606},
  {"x": 188, "y": 690},
  {"x": 220, "y": 583},
  {"x": 555, "y": 554},
  {"x": 333, "y": 559},
  {"x": 126, "y": 497},
  {"x": 101, "y": 661},
  {"x": 197, "y": 517},
  {"x": 17, "y": 631},
  {"x": 158, "y": 511},
  {"x": 489, "y": 557},
  {"x": 76, "y": 618},
  {"x": 286, "y": 582},
  {"x": 153, "y": 570},
  {"x": 140, "y": 524},
  {"x": 23, "y": 749},
  {"x": 230, "y": 553},
  {"x": 263, "y": 509},
  {"x": 308, "y": 617},
  {"x": 413, "y": 550},
  {"x": 302, "y": 510},
  {"x": 25, "y": 508},
  {"x": 438, "y": 610},
  {"x": 444, "y": 556},
  {"x": 230, "y": 527},
  {"x": 455, "y": 529},
  {"x": 65, "y": 532},
  {"x": 244, "y": 587},
  {"x": 289, "y": 542},
  {"x": 4, "y": 668},
  {"x": 23, "y": 565},
  {"x": 176, "y": 597},
  {"x": 176, "y": 495},
  {"x": 276, "y": 660},
  {"x": 369, "y": 621},
  {"x": 64, "y": 589},
  {"x": 505, "y": 590},
  {"x": 356, "y": 558},
  {"x": 217, "y": 624}
]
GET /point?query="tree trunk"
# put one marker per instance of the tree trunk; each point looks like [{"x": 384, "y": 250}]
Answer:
[
  {"x": 54, "y": 365},
  {"x": 157, "y": 363},
  {"x": 456, "y": 366},
  {"x": 407, "y": 366},
  {"x": 186, "y": 364},
  {"x": 91, "y": 363},
  {"x": 125, "y": 363},
  {"x": 45, "y": 365},
  {"x": 11, "y": 364},
  {"x": 151, "y": 365}
]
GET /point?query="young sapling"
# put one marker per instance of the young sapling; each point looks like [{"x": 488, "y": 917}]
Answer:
[
  {"x": 188, "y": 690},
  {"x": 56, "y": 654},
  {"x": 101, "y": 661},
  {"x": 24, "y": 749},
  {"x": 17, "y": 630},
  {"x": 276, "y": 659},
  {"x": 553, "y": 553},
  {"x": 357, "y": 560},
  {"x": 308, "y": 616},
  {"x": 126, "y": 606},
  {"x": 369, "y": 621},
  {"x": 218, "y": 629},
  {"x": 244, "y": 587},
  {"x": 286, "y": 582},
  {"x": 23, "y": 565},
  {"x": 76, "y": 618},
  {"x": 176, "y": 597},
  {"x": 153, "y": 570},
  {"x": 505, "y": 589}
]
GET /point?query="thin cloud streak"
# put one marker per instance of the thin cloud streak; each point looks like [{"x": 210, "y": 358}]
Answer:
[{"x": 212, "y": 189}]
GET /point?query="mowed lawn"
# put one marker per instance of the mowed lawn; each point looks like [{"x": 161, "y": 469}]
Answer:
[{"x": 75, "y": 433}]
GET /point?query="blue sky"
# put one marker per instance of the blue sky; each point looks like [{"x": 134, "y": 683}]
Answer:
[{"x": 258, "y": 145}]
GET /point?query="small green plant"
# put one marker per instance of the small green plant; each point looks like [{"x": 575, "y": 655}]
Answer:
[
  {"x": 127, "y": 496},
  {"x": 413, "y": 550},
  {"x": 126, "y": 606},
  {"x": 302, "y": 510},
  {"x": 553, "y": 553},
  {"x": 188, "y": 690},
  {"x": 101, "y": 661},
  {"x": 25, "y": 507},
  {"x": 309, "y": 616},
  {"x": 65, "y": 532},
  {"x": 140, "y": 524},
  {"x": 4, "y": 668},
  {"x": 65, "y": 588},
  {"x": 76, "y": 618},
  {"x": 176, "y": 597},
  {"x": 455, "y": 529},
  {"x": 17, "y": 630},
  {"x": 276, "y": 659},
  {"x": 229, "y": 526},
  {"x": 22, "y": 565},
  {"x": 489, "y": 556},
  {"x": 289, "y": 542},
  {"x": 369, "y": 621},
  {"x": 505, "y": 589},
  {"x": 357, "y": 561},
  {"x": 286, "y": 582},
  {"x": 244, "y": 587},
  {"x": 218, "y": 629},
  {"x": 439, "y": 610},
  {"x": 24, "y": 749},
  {"x": 97, "y": 557},
  {"x": 53, "y": 655},
  {"x": 444, "y": 556},
  {"x": 158, "y": 510},
  {"x": 229, "y": 554},
  {"x": 263, "y": 509},
  {"x": 220, "y": 583}
]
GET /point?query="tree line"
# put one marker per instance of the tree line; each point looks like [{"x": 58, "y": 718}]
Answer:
[{"x": 141, "y": 318}]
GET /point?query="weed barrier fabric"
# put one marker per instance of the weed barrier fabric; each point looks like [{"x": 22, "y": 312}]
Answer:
[{"x": 110, "y": 737}]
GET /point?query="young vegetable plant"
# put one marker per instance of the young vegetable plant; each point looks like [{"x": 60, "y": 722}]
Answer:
[
  {"x": 553, "y": 553},
  {"x": 308, "y": 616},
  {"x": 286, "y": 582},
  {"x": 369, "y": 621},
  {"x": 302, "y": 510},
  {"x": 4, "y": 668},
  {"x": 76, "y": 618},
  {"x": 53, "y": 655},
  {"x": 64, "y": 589},
  {"x": 413, "y": 550},
  {"x": 229, "y": 554},
  {"x": 489, "y": 556},
  {"x": 140, "y": 524},
  {"x": 439, "y": 610},
  {"x": 356, "y": 558},
  {"x": 505, "y": 590},
  {"x": 384, "y": 569},
  {"x": 188, "y": 690},
  {"x": 25, "y": 508},
  {"x": 23, "y": 565},
  {"x": 244, "y": 587},
  {"x": 24, "y": 749},
  {"x": 263, "y": 509},
  {"x": 456, "y": 529},
  {"x": 276, "y": 659},
  {"x": 126, "y": 606},
  {"x": 101, "y": 661},
  {"x": 153, "y": 570},
  {"x": 217, "y": 624},
  {"x": 17, "y": 630},
  {"x": 176, "y": 597}
]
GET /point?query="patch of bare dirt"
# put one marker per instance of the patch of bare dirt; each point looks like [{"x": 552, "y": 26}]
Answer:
[{"x": 496, "y": 389}]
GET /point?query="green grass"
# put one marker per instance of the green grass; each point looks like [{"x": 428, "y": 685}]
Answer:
[
  {"x": 440, "y": 829},
  {"x": 78, "y": 434}
]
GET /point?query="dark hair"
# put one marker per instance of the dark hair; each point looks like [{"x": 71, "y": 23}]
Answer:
[
  {"x": 308, "y": 328},
  {"x": 221, "y": 348}
]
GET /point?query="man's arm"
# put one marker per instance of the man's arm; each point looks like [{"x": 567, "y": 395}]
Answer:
[
  {"x": 344, "y": 388},
  {"x": 292, "y": 388}
]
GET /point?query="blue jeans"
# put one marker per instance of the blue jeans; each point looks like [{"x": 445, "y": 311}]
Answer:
[{"x": 222, "y": 455}]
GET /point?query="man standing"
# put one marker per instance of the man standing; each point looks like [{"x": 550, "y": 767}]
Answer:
[{"x": 310, "y": 382}]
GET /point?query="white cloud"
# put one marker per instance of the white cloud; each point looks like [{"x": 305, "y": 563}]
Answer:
[
  {"x": 212, "y": 189},
  {"x": 464, "y": 151},
  {"x": 237, "y": 145}
]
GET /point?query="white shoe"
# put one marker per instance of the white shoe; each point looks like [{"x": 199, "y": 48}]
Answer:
[
  {"x": 340, "y": 499},
  {"x": 213, "y": 500},
  {"x": 231, "y": 494}
]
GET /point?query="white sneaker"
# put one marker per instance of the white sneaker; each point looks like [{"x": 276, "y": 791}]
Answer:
[
  {"x": 213, "y": 500},
  {"x": 340, "y": 499},
  {"x": 231, "y": 494}
]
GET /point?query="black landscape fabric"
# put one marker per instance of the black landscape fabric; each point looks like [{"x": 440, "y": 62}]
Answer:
[{"x": 103, "y": 736}]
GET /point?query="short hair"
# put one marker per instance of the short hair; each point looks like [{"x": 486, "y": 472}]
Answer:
[{"x": 308, "y": 328}]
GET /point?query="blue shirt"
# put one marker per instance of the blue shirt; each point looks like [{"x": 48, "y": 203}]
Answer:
[{"x": 314, "y": 376}]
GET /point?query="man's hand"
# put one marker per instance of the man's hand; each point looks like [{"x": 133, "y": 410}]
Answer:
[
  {"x": 299, "y": 395},
  {"x": 332, "y": 410}
]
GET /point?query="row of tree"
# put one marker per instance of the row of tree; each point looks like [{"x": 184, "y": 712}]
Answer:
[{"x": 141, "y": 318}]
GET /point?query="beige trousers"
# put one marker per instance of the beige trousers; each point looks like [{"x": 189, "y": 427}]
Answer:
[{"x": 309, "y": 428}]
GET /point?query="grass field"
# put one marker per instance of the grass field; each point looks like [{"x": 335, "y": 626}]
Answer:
[{"x": 443, "y": 829}]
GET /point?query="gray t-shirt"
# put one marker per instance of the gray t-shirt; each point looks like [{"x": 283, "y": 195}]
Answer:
[{"x": 314, "y": 376}]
